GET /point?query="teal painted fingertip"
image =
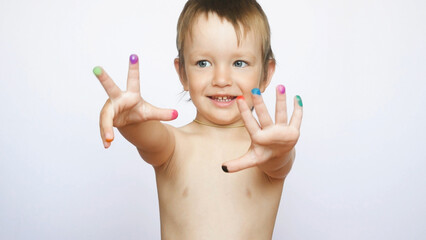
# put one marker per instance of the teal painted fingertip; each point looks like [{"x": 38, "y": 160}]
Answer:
[
  {"x": 299, "y": 100},
  {"x": 255, "y": 91}
]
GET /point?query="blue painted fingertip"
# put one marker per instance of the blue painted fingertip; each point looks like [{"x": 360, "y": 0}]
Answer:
[{"x": 255, "y": 91}]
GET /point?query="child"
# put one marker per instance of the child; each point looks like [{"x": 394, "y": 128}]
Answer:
[{"x": 220, "y": 176}]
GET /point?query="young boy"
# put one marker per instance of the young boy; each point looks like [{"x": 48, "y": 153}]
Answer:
[{"x": 221, "y": 176}]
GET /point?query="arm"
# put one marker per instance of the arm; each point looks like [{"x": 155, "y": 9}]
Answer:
[
  {"x": 137, "y": 120},
  {"x": 272, "y": 148}
]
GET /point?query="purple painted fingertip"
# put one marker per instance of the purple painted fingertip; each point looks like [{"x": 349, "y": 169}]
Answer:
[
  {"x": 281, "y": 89},
  {"x": 134, "y": 58}
]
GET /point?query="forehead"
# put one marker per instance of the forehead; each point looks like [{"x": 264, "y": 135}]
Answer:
[{"x": 210, "y": 30}]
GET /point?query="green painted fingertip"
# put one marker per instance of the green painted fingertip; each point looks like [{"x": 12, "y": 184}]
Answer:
[
  {"x": 299, "y": 100},
  {"x": 97, "y": 71}
]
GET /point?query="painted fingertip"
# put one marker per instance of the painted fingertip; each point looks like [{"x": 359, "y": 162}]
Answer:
[
  {"x": 281, "y": 89},
  {"x": 225, "y": 168},
  {"x": 174, "y": 114},
  {"x": 134, "y": 58},
  {"x": 97, "y": 70},
  {"x": 106, "y": 145},
  {"x": 241, "y": 97},
  {"x": 108, "y": 137},
  {"x": 299, "y": 100},
  {"x": 255, "y": 91}
]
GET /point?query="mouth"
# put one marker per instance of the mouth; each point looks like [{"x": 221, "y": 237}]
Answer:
[{"x": 223, "y": 98}]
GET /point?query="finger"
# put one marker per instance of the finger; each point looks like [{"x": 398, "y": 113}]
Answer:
[
  {"x": 296, "y": 118},
  {"x": 111, "y": 89},
  {"x": 250, "y": 123},
  {"x": 261, "y": 110},
  {"x": 106, "y": 124},
  {"x": 248, "y": 160},
  {"x": 133, "y": 84},
  {"x": 281, "y": 106},
  {"x": 161, "y": 114}
]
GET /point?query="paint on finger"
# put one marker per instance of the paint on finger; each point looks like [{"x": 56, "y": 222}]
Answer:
[
  {"x": 134, "y": 58},
  {"x": 255, "y": 91},
  {"x": 174, "y": 114},
  {"x": 281, "y": 89},
  {"x": 97, "y": 71},
  {"x": 299, "y": 100}
]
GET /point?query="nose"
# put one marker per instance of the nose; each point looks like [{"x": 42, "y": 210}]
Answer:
[{"x": 221, "y": 77}]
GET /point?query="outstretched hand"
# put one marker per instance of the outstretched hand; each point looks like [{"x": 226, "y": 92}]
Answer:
[
  {"x": 124, "y": 108},
  {"x": 272, "y": 144}
]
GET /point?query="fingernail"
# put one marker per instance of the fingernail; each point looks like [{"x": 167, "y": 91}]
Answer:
[
  {"x": 255, "y": 91},
  {"x": 105, "y": 145},
  {"x": 299, "y": 100},
  {"x": 224, "y": 168},
  {"x": 281, "y": 89},
  {"x": 174, "y": 114},
  {"x": 97, "y": 71},
  {"x": 108, "y": 137},
  {"x": 134, "y": 58},
  {"x": 240, "y": 97}
]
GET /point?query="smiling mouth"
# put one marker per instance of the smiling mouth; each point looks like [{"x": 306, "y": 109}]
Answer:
[{"x": 222, "y": 98}]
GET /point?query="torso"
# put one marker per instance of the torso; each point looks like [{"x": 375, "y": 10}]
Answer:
[{"x": 199, "y": 201}]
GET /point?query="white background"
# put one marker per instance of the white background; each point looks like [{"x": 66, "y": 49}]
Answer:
[{"x": 359, "y": 66}]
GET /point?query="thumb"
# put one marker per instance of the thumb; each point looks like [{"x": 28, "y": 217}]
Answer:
[
  {"x": 161, "y": 114},
  {"x": 248, "y": 160}
]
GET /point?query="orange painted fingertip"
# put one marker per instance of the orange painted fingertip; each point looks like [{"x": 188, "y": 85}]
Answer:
[
  {"x": 240, "y": 97},
  {"x": 109, "y": 139}
]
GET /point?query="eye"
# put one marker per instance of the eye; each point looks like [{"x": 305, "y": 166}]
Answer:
[
  {"x": 203, "y": 63},
  {"x": 240, "y": 64}
]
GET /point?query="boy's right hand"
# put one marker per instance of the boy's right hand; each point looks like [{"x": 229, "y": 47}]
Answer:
[{"x": 124, "y": 108}]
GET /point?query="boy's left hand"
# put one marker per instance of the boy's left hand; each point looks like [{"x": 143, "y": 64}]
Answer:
[{"x": 272, "y": 144}]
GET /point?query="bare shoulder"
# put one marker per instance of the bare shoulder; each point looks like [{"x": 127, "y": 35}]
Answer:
[{"x": 182, "y": 139}]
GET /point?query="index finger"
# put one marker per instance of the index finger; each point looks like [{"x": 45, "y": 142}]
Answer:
[
  {"x": 133, "y": 75},
  {"x": 111, "y": 89}
]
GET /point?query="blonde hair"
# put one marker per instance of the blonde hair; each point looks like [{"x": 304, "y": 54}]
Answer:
[{"x": 240, "y": 13}]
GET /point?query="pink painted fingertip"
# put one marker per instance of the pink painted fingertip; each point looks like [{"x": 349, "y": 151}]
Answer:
[
  {"x": 281, "y": 89},
  {"x": 174, "y": 114}
]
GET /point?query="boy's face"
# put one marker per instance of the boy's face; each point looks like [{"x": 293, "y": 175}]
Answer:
[{"x": 218, "y": 70}]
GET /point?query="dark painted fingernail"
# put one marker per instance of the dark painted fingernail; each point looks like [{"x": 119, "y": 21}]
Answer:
[
  {"x": 299, "y": 100},
  {"x": 97, "y": 71},
  {"x": 255, "y": 91},
  {"x": 281, "y": 89},
  {"x": 224, "y": 168},
  {"x": 134, "y": 58}
]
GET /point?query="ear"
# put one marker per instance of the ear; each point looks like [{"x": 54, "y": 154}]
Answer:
[
  {"x": 269, "y": 73},
  {"x": 181, "y": 74}
]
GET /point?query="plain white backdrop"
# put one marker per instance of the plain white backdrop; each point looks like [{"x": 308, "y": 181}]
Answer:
[{"x": 359, "y": 66}]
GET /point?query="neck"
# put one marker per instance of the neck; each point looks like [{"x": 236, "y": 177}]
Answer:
[{"x": 218, "y": 126}]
